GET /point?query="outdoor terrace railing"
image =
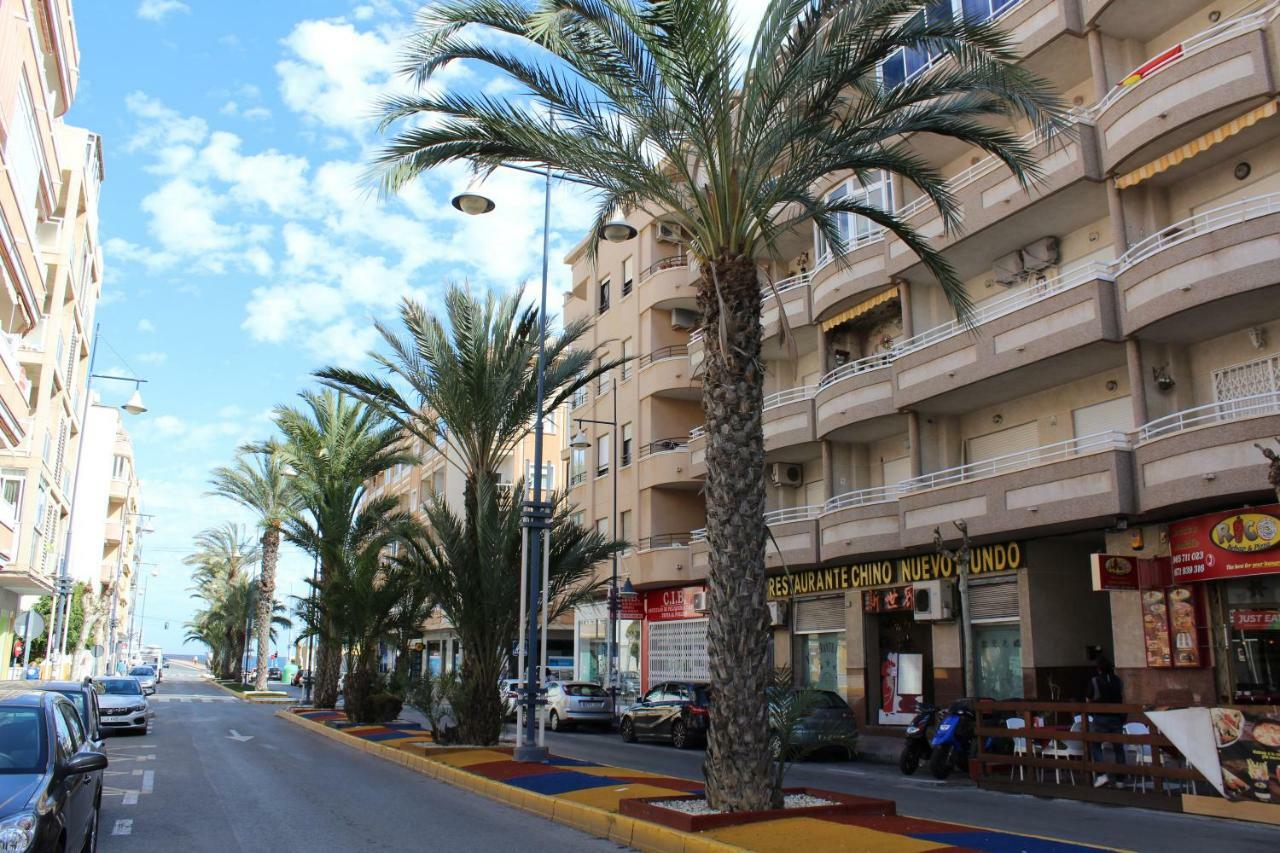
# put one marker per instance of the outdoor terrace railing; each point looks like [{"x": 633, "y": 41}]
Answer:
[
  {"x": 863, "y": 497},
  {"x": 663, "y": 540},
  {"x": 1224, "y": 410},
  {"x": 790, "y": 395},
  {"x": 673, "y": 263},
  {"x": 865, "y": 364},
  {"x": 697, "y": 432},
  {"x": 1202, "y": 223},
  {"x": 793, "y": 513},
  {"x": 663, "y": 445},
  {"x": 1043, "y": 455},
  {"x": 664, "y": 353}
]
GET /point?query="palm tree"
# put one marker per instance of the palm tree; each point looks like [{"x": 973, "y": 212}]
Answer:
[
  {"x": 221, "y": 563},
  {"x": 336, "y": 445},
  {"x": 659, "y": 104},
  {"x": 260, "y": 479}
]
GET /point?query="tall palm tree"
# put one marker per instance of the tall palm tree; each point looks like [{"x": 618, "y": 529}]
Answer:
[
  {"x": 222, "y": 560},
  {"x": 261, "y": 480},
  {"x": 660, "y": 104},
  {"x": 336, "y": 445}
]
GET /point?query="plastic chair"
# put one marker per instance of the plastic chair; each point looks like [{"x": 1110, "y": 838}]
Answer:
[
  {"x": 1139, "y": 754},
  {"x": 1019, "y": 746},
  {"x": 1065, "y": 749}
]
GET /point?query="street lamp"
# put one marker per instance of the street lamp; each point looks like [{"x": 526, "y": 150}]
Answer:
[{"x": 536, "y": 515}]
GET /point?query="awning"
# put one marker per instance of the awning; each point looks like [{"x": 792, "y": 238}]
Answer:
[
  {"x": 1198, "y": 145},
  {"x": 859, "y": 309}
]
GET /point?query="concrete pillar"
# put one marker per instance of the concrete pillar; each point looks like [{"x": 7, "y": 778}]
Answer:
[
  {"x": 1097, "y": 64},
  {"x": 828, "y": 472},
  {"x": 1115, "y": 213},
  {"x": 1137, "y": 381},
  {"x": 904, "y": 299},
  {"x": 913, "y": 442}
]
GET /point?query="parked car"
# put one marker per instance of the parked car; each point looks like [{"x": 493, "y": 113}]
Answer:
[
  {"x": 84, "y": 695},
  {"x": 825, "y": 722},
  {"x": 674, "y": 711},
  {"x": 274, "y": 673},
  {"x": 512, "y": 692},
  {"x": 574, "y": 703},
  {"x": 146, "y": 676},
  {"x": 51, "y": 773},
  {"x": 123, "y": 704}
]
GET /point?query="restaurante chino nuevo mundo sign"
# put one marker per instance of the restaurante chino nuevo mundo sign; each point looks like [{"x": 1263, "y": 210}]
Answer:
[{"x": 983, "y": 559}]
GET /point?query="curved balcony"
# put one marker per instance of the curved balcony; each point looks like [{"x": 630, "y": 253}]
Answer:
[
  {"x": 794, "y": 295},
  {"x": 661, "y": 560},
  {"x": 836, "y": 285},
  {"x": 698, "y": 452},
  {"x": 788, "y": 417},
  {"x": 1187, "y": 89},
  {"x": 793, "y": 539},
  {"x": 668, "y": 283},
  {"x": 860, "y": 522},
  {"x": 1071, "y": 484},
  {"x": 1226, "y": 257},
  {"x": 697, "y": 350},
  {"x": 854, "y": 393},
  {"x": 1206, "y": 454},
  {"x": 665, "y": 372},
  {"x": 665, "y": 462},
  {"x": 1050, "y": 332},
  {"x": 1033, "y": 24}
]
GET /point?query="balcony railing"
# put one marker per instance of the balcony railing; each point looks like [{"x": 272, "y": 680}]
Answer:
[
  {"x": 663, "y": 540},
  {"x": 794, "y": 513},
  {"x": 577, "y": 478},
  {"x": 1225, "y": 410},
  {"x": 664, "y": 353},
  {"x": 699, "y": 535},
  {"x": 790, "y": 395},
  {"x": 861, "y": 365},
  {"x": 863, "y": 497},
  {"x": 1044, "y": 455},
  {"x": 1202, "y": 223},
  {"x": 663, "y": 445},
  {"x": 695, "y": 335},
  {"x": 789, "y": 283},
  {"x": 697, "y": 432},
  {"x": 673, "y": 263}
]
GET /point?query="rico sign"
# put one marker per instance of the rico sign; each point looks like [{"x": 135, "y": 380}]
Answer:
[{"x": 904, "y": 570}]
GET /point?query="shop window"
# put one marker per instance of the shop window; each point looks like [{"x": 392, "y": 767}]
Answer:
[
  {"x": 1253, "y": 619},
  {"x": 998, "y": 652},
  {"x": 820, "y": 661}
]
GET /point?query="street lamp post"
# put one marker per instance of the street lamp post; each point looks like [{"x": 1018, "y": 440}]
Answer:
[
  {"x": 114, "y": 651},
  {"x": 535, "y": 517},
  {"x": 309, "y": 678}
]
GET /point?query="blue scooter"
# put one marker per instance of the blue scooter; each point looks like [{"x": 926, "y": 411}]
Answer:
[{"x": 952, "y": 740}]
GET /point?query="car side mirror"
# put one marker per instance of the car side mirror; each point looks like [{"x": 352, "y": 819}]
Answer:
[{"x": 83, "y": 762}]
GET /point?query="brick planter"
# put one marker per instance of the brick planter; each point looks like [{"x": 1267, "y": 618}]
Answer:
[{"x": 842, "y": 805}]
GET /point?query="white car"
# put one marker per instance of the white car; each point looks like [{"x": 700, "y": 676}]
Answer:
[
  {"x": 573, "y": 703},
  {"x": 146, "y": 676},
  {"x": 122, "y": 705}
]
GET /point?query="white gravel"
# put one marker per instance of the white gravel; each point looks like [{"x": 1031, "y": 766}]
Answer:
[{"x": 700, "y": 806}]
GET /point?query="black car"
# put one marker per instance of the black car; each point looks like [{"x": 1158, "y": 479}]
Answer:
[
  {"x": 674, "y": 711},
  {"x": 84, "y": 695},
  {"x": 274, "y": 673},
  {"x": 50, "y": 774},
  {"x": 821, "y": 722}
]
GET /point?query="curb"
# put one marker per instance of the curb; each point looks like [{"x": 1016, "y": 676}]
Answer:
[
  {"x": 228, "y": 690},
  {"x": 621, "y": 829}
]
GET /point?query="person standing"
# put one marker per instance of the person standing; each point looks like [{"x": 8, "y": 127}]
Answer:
[{"x": 1106, "y": 688}]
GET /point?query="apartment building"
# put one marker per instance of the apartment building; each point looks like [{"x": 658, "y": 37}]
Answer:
[
  {"x": 105, "y": 532},
  {"x": 1124, "y": 360},
  {"x": 52, "y": 271},
  {"x": 435, "y": 476}
]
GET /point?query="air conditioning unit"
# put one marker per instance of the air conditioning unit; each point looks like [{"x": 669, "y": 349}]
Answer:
[
  {"x": 1040, "y": 255},
  {"x": 700, "y": 602},
  {"x": 777, "y": 614},
  {"x": 934, "y": 600},
  {"x": 683, "y": 319},
  {"x": 787, "y": 474},
  {"x": 671, "y": 232},
  {"x": 1008, "y": 269}
]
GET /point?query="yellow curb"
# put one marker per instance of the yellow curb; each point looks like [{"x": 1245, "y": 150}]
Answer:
[
  {"x": 640, "y": 834},
  {"x": 234, "y": 693}
]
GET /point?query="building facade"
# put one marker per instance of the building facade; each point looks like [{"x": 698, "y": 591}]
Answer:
[
  {"x": 52, "y": 270},
  {"x": 1124, "y": 359}
]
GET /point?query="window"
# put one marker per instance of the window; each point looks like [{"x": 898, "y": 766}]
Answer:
[
  {"x": 604, "y": 295},
  {"x": 985, "y": 10},
  {"x": 11, "y": 482},
  {"x": 22, "y": 155},
  {"x": 578, "y": 466},
  {"x": 624, "y": 525},
  {"x": 580, "y": 393},
  {"x": 628, "y": 276},
  {"x": 602, "y": 383},
  {"x": 73, "y": 723},
  {"x": 120, "y": 468},
  {"x": 856, "y": 230},
  {"x": 548, "y": 476},
  {"x": 576, "y": 519},
  {"x": 42, "y": 495},
  {"x": 602, "y": 455},
  {"x": 628, "y": 350},
  {"x": 66, "y": 741},
  {"x": 626, "y": 446},
  {"x": 903, "y": 64},
  {"x": 602, "y": 527}
]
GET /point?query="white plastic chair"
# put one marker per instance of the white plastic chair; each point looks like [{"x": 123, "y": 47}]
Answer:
[
  {"x": 1065, "y": 749},
  {"x": 1139, "y": 754},
  {"x": 1019, "y": 746}
]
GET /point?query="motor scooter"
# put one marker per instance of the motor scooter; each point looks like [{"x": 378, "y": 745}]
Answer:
[
  {"x": 917, "y": 747},
  {"x": 951, "y": 742}
]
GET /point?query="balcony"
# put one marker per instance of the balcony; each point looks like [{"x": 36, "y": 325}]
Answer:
[
  {"x": 860, "y": 522},
  {"x": 1073, "y": 484},
  {"x": 1225, "y": 258},
  {"x": 25, "y": 580},
  {"x": 857, "y": 393},
  {"x": 112, "y": 532},
  {"x": 118, "y": 490},
  {"x": 838, "y": 284},
  {"x": 697, "y": 352},
  {"x": 793, "y": 537},
  {"x": 698, "y": 452},
  {"x": 1187, "y": 90},
  {"x": 788, "y": 417},
  {"x": 794, "y": 296},
  {"x": 1050, "y": 332},
  {"x": 665, "y": 372},
  {"x": 15, "y": 391},
  {"x": 668, "y": 283},
  {"x": 8, "y": 539},
  {"x": 665, "y": 462},
  {"x": 661, "y": 560},
  {"x": 1206, "y": 454},
  {"x": 1034, "y": 24}
]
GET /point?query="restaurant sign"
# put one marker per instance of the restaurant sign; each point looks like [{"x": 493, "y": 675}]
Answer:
[
  {"x": 1226, "y": 545},
  {"x": 667, "y": 605},
  {"x": 1255, "y": 620},
  {"x": 984, "y": 559}
]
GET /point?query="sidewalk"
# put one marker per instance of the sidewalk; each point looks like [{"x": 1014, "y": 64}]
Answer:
[{"x": 586, "y": 795}]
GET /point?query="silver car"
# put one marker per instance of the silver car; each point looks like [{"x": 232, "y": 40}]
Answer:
[
  {"x": 572, "y": 703},
  {"x": 122, "y": 705},
  {"x": 146, "y": 676}
]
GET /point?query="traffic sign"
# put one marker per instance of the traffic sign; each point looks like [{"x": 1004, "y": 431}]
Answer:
[
  {"x": 98, "y": 651},
  {"x": 29, "y": 624}
]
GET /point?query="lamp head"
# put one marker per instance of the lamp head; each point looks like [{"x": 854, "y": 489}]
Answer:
[
  {"x": 627, "y": 589},
  {"x": 134, "y": 405},
  {"x": 617, "y": 231},
  {"x": 580, "y": 441},
  {"x": 472, "y": 204}
]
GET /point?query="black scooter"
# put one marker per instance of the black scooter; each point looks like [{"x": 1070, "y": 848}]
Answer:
[{"x": 918, "y": 747}]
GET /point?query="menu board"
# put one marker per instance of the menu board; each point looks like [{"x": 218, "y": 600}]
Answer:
[
  {"x": 1182, "y": 618},
  {"x": 1248, "y": 752},
  {"x": 1171, "y": 626},
  {"x": 1155, "y": 628}
]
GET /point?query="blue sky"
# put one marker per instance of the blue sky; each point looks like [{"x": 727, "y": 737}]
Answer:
[{"x": 242, "y": 249}]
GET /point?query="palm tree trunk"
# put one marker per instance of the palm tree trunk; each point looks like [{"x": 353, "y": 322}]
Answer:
[
  {"x": 737, "y": 762},
  {"x": 266, "y": 600}
]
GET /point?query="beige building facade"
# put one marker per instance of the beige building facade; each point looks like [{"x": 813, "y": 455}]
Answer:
[{"x": 1125, "y": 356}]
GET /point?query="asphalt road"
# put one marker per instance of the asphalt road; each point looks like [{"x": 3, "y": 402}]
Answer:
[
  {"x": 220, "y": 775},
  {"x": 958, "y": 800}
]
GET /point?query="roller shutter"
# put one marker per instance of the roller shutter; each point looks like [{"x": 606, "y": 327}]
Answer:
[
  {"x": 820, "y": 614},
  {"x": 993, "y": 602},
  {"x": 1006, "y": 441}
]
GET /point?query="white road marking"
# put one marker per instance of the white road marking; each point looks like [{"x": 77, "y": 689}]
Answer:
[
  {"x": 148, "y": 781},
  {"x": 192, "y": 697},
  {"x": 235, "y": 735},
  {"x": 130, "y": 798},
  {"x": 124, "y": 826}
]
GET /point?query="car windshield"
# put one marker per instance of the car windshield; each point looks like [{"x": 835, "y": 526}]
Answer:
[
  {"x": 142, "y": 670},
  {"x": 121, "y": 687},
  {"x": 22, "y": 740},
  {"x": 584, "y": 690}
]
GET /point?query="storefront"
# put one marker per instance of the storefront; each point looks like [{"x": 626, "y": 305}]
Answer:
[
  {"x": 674, "y": 636},
  {"x": 819, "y": 646},
  {"x": 591, "y": 645}
]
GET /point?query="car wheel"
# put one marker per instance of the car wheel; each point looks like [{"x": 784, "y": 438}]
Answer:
[
  {"x": 556, "y": 725},
  {"x": 627, "y": 730},
  {"x": 680, "y": 735}
]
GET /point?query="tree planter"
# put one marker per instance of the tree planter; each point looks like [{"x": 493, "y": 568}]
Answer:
[{"x": 843, "y": 805}]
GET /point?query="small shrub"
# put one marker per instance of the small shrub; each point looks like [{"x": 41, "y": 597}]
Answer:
[{"x": 383, "y": 707}]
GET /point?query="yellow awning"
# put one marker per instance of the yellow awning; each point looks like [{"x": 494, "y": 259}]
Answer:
[
  {"x": 859, "y": 309},
  {"x": 1198, "y": 145}
]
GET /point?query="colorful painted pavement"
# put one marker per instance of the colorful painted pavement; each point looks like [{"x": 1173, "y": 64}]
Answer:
[{"x": 603, "y": 786}]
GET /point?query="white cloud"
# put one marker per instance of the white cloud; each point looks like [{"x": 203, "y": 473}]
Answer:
[
  {"x": 257, "y": 114},
  {"x": 336, "y": 72},
  {"x": 156, "y": 358},
  {"x": 158, "y": 10},
  {"x": 160, "y": 125},
  {"x": 145, "y": 326}
]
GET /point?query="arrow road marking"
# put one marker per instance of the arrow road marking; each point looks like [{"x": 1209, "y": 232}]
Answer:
[
  {"x": 235, "y": 735},
  {"x": 123, "y": 827}
]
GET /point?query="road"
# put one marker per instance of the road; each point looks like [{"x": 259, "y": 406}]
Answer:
[
  {"x": 220, "y": 775},
  {"x": 958, "y": 800}
]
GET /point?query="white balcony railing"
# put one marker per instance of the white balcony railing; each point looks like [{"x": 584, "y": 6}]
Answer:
[
  {"x": 863, "y": 497},
  {"x": 790, "y": 395},
  {"x": 789, "y": 283},
  {"x": 1044, "y": 455},
  {"x": 1202, "y": 223},
  {"x": 697, "y": 432},
  {"x": 861, "y": 365},
  {"x": 1225, "y": 410},
  {"x": 695, "y": 336},
  {"x": 794, "y": 513},
  {"x": 699, "y": 535}
]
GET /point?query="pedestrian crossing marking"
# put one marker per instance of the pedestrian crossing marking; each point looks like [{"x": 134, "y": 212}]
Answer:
[
  {"x": 124, "y": 826},
  {"x": 192, "y": 697}
]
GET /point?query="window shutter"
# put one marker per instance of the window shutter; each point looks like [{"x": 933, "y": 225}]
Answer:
[
  {"x": 993, "y": 602},
  {"x": 1006, "y": 441},
  {"x": 1113, "y": 415},
  {"x": 820, "y": 614}
]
